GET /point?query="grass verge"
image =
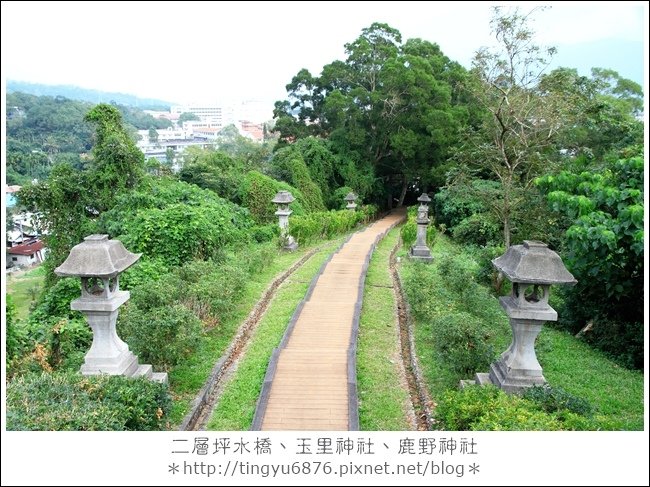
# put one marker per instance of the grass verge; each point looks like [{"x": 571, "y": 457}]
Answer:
[
  {"x": 236, "y": 406},
  {"x": 568, "y": 363},
  {"x": 383, "y": 397},
  {"x": 25, "y": 287}
]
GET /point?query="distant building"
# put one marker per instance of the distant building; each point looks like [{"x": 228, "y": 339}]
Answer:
[
  {"x": 216, "y": 114},
  {"x": 26, "y": 254},
  {"x": 251, "y": 130}
]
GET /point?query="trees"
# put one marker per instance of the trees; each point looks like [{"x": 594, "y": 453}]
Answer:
[
  {"x": 520, "y": 120},
  {"x": 187, "y": 117},
  {"x": 389, "y": 110},
  {"x": 153, "y": 135},
  {"x": 70, "y": 200}
]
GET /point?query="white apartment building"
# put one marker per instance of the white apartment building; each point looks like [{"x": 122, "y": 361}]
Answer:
[{"x": 218, "y": 115}]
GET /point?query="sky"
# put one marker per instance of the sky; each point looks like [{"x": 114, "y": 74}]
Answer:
[{"x": 233, "y": 51}]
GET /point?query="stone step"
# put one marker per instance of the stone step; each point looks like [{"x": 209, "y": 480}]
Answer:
[
  {"x": 159, "y": 377},
  {"x": 144, "y": 370}
]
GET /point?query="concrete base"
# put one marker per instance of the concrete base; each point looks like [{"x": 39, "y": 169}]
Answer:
[
  {"x": 514, "y": 380},
  {"x": 290, "y": 245},
  {"x": 420, "y": 253}
]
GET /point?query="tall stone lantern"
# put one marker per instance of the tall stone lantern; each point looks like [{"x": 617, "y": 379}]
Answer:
[
  {"x": 282, "y": 199},
  {"x": 532, "y": 268},
  {"x": 420, "y": 251},
  {"x": 351, "y": 198},
  {"x": 99, "y": 263}
]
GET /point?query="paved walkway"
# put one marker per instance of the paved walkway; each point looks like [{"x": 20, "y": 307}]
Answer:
[{"x": 311, "y": 380}]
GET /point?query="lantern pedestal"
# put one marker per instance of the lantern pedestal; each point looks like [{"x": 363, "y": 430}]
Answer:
[{"x": 420, "y": 251}]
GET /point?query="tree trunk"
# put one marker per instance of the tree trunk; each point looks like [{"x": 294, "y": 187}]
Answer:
[{"x": 403, "y": 193}]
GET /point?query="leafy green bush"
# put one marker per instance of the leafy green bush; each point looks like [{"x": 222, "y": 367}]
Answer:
[
  {"x": 477, "y": 229},
  {"x": 70, "y": 401},
  {"x": 454, "y": 203},
  {"x": 161, "y": 336},
  {"x": 265, "y": 233},
  {"x": 178, "y": 233},
  {"x": 555, "y": 399},
  {"x": 337, "y": 199},
  {"x": 324, "y": 225},
  {"x": 464, "y": 342},
  {"x": 289, "y": 165},
  {"x": 256, "y": 192},
  {"x": 458, "y": 273},
  {"x": 604, "y": 248},
  {"x": 70, "y": 341},
  {"x": 145, "y": 271},
  {"x": 486, "y": 408}
]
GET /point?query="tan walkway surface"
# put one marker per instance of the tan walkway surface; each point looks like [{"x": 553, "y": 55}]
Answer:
[{"x": 311, "y": 381}]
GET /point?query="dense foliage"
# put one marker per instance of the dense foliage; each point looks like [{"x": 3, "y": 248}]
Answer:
[
  {"x": 70, "y": 401},
  {"x": 604, "y": 251}
]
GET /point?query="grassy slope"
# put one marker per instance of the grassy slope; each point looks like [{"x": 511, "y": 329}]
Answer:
[
  {"x": 188, "y": 377},
  {"x": 236, "y": 406},
  {"x": 568, "y": 362},
  {"x": 19, "y": 285},
  {"x": 383, "y": 399}
]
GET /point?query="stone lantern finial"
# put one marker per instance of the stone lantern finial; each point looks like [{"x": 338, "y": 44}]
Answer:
[
  {"x": 420, "y": 251},
  {"x": 351, "y": 199},
  {"x": 283, "y": 199},
  {"x": 532, "y": 268},
  {"x": 99, "y": 263}
]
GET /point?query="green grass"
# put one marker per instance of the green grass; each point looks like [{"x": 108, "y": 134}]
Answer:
[
  {"x": 236, "y": 406},
  {"x": 187, "y": 378},
  {"x": 383, "y": 399},
  {"x": 20, "y": 287},
  {"x": 568, "y": 362}
]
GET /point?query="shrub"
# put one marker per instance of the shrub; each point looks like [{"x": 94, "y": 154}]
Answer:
[
  {"x": 256, "y": 192},
  {"x": 464, "y": 342},
  {"x": 69, "y": 401},
  {"x": 70, "y": 340},
  {"x": 265, "y": 233},
  {"x": 324, "y": 225},
  {"x": 477, "y": 229},
  {"x": 337, "y": 200},
  {"x": 161, "y": 336},
  {"x": 179, "y": 232},
  {"x": 145, "y": 271},
  {"x": 486, "y": 408},
  {"x": 13, "y": 340},
  {"x": 458, "y": 274},
  {"x": 555, "y": 399}
]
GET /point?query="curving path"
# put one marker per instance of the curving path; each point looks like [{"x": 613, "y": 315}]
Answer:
[{"x": 310, "y": 383}]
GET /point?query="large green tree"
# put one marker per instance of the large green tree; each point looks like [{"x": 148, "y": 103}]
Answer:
[
  {"x": 69, "y": 201},
  {"x": 390, "y": 109}
]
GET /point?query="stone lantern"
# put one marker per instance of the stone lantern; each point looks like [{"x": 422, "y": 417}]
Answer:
[
  {"x": 282, "y": 199},
  {"x": 351, "y": 198},
  {"x": 420, "y": 251},
  {"x": 99, "y": 263},
  {"x": 532, "y": 268}
]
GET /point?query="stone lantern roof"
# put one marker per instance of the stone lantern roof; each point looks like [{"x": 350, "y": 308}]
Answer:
[
  {"x": 424, "y": 199},
  {"x": 533, "y": 263},
  {"x": 97, "y": 256},
  {"x": 350, "y": 197},
  {"x": 283, "y": 198}
]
